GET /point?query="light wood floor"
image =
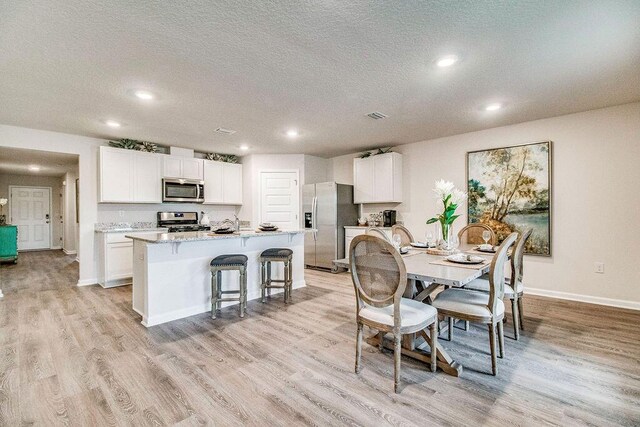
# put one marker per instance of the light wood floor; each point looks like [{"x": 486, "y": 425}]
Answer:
[{"x": 79, "y": 356}]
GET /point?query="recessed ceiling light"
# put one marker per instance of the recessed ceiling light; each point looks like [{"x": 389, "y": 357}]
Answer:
[
  {"x": 244, "y": 147},
  {"x": 144, "y": 95},
  {"x": 292, "y": 133},
  {"x": 447, "y": 61},
  {"x": 34, "y": 168},
  {"x": 112, "y": 124},
  {"x": 493, "y": 107}
]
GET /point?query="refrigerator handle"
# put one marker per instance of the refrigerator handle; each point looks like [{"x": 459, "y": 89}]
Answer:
[{"x": 314, "y": 217}]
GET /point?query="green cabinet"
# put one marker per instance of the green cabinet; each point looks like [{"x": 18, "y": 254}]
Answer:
[{"x": 9, "y": 243}]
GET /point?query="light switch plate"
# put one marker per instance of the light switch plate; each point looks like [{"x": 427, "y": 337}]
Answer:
[{"x": 599, "y": 267}]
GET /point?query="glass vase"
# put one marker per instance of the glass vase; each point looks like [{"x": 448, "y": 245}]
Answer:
[{"x": 445, "y": 242}]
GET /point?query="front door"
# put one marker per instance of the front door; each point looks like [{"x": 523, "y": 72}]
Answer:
[
  {"x": 279, "y": 199},
  {"x": 30, "y": 213}
]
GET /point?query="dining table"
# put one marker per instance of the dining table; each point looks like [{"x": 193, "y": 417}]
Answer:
[{"x": 426, "y": 273}]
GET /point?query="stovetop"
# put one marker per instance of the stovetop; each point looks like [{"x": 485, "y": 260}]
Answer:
[{"x": 183, "y": 228}]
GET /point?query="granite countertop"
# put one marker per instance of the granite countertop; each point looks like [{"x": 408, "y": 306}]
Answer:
[
  {"x": 126, "y": 227},
  {"x": 194, "y": 236}
]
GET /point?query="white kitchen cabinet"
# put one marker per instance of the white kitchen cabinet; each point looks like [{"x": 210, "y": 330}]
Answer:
[
  {"x": 115, "y": 259},
  {"x": 351, "y": 232},
  {"x": 378, "y": 179},
  {"x": 363, "y": 180},
  {"x": 171, "y": 167},
  {"x": 116, "y": 175},
  {"x": 213, "y": 182},
  {"x": 232, "y": 188},
  {"x": 222, "y": 183},
  {"x": 182, "y": 167},
  {"x": 128, "y": 176},
  {"x": 147, "y": 178}
]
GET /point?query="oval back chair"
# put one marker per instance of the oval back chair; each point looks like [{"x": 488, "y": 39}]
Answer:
[
  {"x": 474, "y": 233},
  {"x": 380, "y": 278},
  {"x": 480, "y": 307},
  {"x": 377, "y": 232},
  {"x": 405, "y": 235}
]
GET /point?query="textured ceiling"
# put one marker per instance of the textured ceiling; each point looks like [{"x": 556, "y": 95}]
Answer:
[
  {"x": 262, "y": 67},
  {"x": 17, "y": 161}
]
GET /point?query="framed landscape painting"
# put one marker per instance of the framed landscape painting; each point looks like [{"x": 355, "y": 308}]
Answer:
[{"x": 510, "y": 190}]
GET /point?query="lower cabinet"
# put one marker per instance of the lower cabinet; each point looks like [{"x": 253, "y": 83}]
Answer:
[
  {"x": 115, "y": 259},
  {"x": 351, "y": 232}
]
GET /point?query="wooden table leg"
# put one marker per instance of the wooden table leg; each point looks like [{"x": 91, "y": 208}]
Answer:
[{"x": 445, "y": 362}]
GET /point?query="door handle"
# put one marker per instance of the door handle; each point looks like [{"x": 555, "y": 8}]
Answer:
[{"x": 314, "y": 222}]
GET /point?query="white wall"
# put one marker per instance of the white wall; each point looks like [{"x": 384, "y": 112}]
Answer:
[
  {"x": 252, "y": 166},
  {"x": 595, "y": 197},
  {"x": 87, "y": 150},
  {"x": 70, "y": 227},
  {"x": 316, "y": 169},
  {"x": 55, "y": 183}
]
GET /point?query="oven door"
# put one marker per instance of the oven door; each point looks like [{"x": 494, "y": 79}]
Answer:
[{"x": 182, "y": 190}]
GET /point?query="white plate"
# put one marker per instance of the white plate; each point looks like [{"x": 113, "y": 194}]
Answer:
[
  {"x": 419, "y": 245},
  {"x": 465, "y": 259}
]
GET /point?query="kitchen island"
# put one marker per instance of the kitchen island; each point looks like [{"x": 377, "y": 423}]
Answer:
[{"x": 171, "y": 278}]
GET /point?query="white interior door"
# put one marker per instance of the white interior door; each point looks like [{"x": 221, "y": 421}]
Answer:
[
  {"x": 30, "y": 212},
  {"x": 279, "y": 199}
]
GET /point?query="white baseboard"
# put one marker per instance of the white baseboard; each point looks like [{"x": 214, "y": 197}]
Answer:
[
  {"x": 87, "y": 282},
  {"x": 632, "y": 305},
  {"x": 69, "y": 252},
  {"x": 55, "y": 248}
]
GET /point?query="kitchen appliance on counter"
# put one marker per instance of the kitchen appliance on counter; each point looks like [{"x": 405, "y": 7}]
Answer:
[
  {"x": 327, "y": 208},
  {"x": 182, "y": 190},
  {"x": 388, "y": 218},
  {"x": 176, "y": 222}
]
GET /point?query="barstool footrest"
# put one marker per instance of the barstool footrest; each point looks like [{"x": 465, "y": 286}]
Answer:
[{"x": 228, "y": 299}]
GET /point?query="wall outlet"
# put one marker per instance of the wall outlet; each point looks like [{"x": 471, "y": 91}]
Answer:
[
  {"x": 121, "y": 214},
  {"x": 599, "y": 267}
]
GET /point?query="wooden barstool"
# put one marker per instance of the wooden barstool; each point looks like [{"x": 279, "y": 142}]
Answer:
[
  {"x": 220, "y": 264},
  {"x": 268, "y": 256}
]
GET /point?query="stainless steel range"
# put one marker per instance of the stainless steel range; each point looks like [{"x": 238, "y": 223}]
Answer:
[{"x": 180, "y": 221}]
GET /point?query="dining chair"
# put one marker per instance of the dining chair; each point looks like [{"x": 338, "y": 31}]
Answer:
[
  {"x": 380, "y": 278},
  {"x": 405, "y": 235},
  {"x": 513, "y": 288},
  {"x": 480, "y": 307},
  {"x": 474, "y": 233},
  {"x": 375, "y": 231}
]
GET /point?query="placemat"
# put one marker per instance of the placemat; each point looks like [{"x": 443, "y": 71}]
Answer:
[{"x": 443, "y": 261}]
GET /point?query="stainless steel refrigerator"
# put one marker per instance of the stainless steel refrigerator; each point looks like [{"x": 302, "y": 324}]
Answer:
[{"x": 327, "y": 208}]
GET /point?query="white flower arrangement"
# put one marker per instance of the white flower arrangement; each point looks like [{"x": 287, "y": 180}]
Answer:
[{"x": 449, "y": 198}]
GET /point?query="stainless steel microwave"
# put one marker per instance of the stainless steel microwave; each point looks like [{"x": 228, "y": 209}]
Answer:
[{"x": 182, "y": 190}]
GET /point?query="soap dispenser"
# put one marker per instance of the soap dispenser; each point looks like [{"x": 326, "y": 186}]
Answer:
[{"x": 204, "y": 219}]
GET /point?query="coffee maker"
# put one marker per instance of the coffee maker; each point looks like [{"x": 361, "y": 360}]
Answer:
[{"x": 388, "y": 218}]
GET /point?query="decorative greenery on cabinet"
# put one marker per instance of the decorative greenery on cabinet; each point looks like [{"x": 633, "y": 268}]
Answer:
[
  {"x": 227, "y": 158},
  {"x": 133, "y": 144}
]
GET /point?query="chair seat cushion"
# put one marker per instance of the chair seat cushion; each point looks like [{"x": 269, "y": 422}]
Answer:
[
  {"x": 229, "y": 260},
  {"x": 277, "y": 253},
  {"x": 482, "y": 284},
  {"x": 411, "y": 313},
  {"x": 461, "y": 301}
]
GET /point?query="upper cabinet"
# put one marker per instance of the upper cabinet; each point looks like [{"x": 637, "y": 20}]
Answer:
[
  {"x": 222, "y": 183},
  {"x": 129, "y": 176},
  {"x": 182, "y": 167},
  {"x": 378, "y": 179}
]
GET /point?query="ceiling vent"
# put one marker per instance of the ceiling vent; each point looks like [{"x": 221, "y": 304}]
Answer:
[
  {"x": 225, "y": 131},
  {"x": 377, "y": 115}
]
